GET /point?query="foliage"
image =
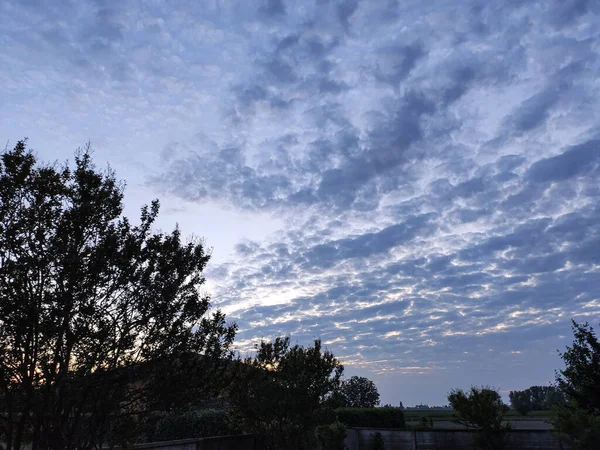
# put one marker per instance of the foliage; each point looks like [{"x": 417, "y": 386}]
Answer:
[
  {"x": 580, "y": 380},
  {"x": 378, "y": 442},
  {"x": 536, "y": 398},
  {"x": 359, "y": 392},
  {"x": 521, "y": 401},
  {"x": 94, "y": 311},
  {"x": 579, "y": 428},
  {"x": 579, "y": 419},
  {"x": 282, "y": 393},
  {"x": 482, "y": 408},
  {"x": 331, "y": 437},
  {"x": 189, "y": 423},
  {"x": 371, "y": 417}
]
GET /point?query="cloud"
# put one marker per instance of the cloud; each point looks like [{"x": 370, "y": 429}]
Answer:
[
  {"x": 345, "y": 10},
  {"x": 397, "y": 61},
  {"x": 534, "y": 111},
  {"x": 365, "y": 245},
  {"x": 273, "y": 8},
  {"x": 581, "y": 159},
  {"x": 569, "y": 11}
]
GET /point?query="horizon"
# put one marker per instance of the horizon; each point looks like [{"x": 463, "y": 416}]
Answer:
[{"x": 415, "y": 183}]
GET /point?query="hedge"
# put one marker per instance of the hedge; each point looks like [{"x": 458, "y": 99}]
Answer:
[
  {"x": 371, "y": 417},
  {"x": 190, "y": 424}
]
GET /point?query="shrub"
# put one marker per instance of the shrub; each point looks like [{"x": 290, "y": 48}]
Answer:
[
  {"x": 371, "y": 417},
  {"x": 331, "y": 437},
  {"x": 189, "y": 424}
]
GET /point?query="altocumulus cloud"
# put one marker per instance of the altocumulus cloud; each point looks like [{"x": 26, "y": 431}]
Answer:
[{"x": 436, "y": 165}]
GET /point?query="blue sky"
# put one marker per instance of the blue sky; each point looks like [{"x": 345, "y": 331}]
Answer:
[{"x": 414, "y": 182}]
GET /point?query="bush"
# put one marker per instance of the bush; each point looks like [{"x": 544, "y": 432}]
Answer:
[
  {"x": 371, "y": 417},
  {"x": 331, "y": 437},
  {"x": 189, "y": 424}
]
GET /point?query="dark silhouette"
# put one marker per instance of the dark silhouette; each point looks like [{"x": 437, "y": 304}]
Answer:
[
  {"x": 96, "y": 315},
  {"x": 282, "y": 394},
  {"x": 359, "y": 392},
  {"x": 483, "y": 409},
  {"x": 579, "y": 420}
]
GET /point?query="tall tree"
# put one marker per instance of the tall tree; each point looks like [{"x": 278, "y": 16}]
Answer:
[
  {"x": 536, "y": 398},
  {"x": 93, "y": 309},
  {"x": 538, "y": 395},
  {"x": 579, "y": 419},
  {"x": 483, "y": 409},
  {"x": 359, "y": 392},
  {"x": 282, "y": 394},
  {"x": 521, "y": 401}
]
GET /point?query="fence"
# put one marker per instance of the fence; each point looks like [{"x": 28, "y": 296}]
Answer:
[{"x": 362, "y": 439}]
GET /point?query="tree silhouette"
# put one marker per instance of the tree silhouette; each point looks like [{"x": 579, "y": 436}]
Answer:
[{"x": 94, "y": 311}]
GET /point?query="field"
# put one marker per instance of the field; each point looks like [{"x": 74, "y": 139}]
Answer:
[{"x": 415, "y": 414}]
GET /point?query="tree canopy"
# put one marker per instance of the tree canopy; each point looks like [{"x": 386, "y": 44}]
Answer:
[
  {"x": 579, "y": 419},
  {"x": 359, "y": 392},
  {"x": 282, "y": 393},
  {"x": 536, "y": 398},
  {"x": 483, "y": 409},
  {"x": 94, "y": 311},
  {"x": 521, "y": 401}
]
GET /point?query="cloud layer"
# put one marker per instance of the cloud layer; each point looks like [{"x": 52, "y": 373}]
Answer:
[{"x": 436, "y": 166}]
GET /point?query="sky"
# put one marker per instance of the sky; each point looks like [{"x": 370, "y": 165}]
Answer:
[{"x": 416, "y": 183}]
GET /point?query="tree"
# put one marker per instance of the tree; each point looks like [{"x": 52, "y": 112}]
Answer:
[
  {"x": 554, "y": 397},
  {"x": 539, "y": 398},
  {"x": 483, "y": 409},
  {"x": 521, "y": 401},
  {"x": 282, "y": 393},
  {"x": 93, "y": 310},
  {"x": 579, "y": 419},
  {"x": 536, "y": 398},
  {"x": 359, "y": 392}
]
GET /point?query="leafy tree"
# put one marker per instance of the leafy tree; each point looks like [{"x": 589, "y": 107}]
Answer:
[
  {"x": 282, "y": 393},
  {"x": 554, "y": 397},
  {"x": 536, "y": 398},
  {"x": 579, "y": 419},
  {"x": 94, "y": 311},
  {"x": 521, "y": 401},
  {"x": 483, "y": 409},
  {"x": 359, "y": 392},
  {"x": 538, "y": 395}
]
